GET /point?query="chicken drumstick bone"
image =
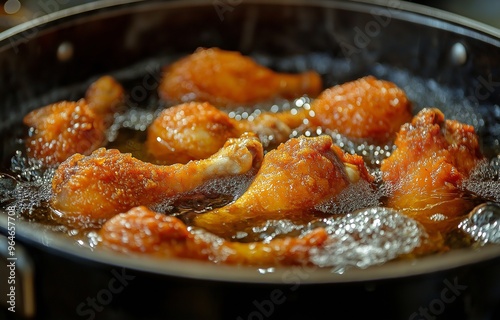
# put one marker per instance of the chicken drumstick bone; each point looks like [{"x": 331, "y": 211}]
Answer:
[{"x": 92, "y": 189}]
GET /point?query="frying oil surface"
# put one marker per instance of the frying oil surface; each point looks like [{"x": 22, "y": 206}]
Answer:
[{"x": 26, "y": 187}]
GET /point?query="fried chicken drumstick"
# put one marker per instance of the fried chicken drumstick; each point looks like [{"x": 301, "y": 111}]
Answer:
[
  {"x": 433, "y": 156},
  {"x": 141, "y": 230},
  {"x": 59, "y": 130},
  {"x": 193, "y": 131},
  {"x": 366, "y": 108},
  {"x": 226, "y": 78},
  {"x": 92, "y": 189},
  {"x": 293, "y": 179}
]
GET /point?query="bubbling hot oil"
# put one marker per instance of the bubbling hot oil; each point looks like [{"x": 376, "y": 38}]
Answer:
[{"x": 26, "y": 189}]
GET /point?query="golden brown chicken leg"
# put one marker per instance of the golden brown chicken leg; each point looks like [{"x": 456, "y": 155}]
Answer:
[
  {"x": 227, "y": 78},
  {"x": 294, "y": 179},
  {"x": 92, "y": 189},
  {"x": 105, "y": 96},
  {"x": 143, "y": 231},
  {"x": 432, "y": 158},
  {"x": 62, "y": 129},
  {"x": 367, "y": 108},
  {"x": 193, "y": 131}
]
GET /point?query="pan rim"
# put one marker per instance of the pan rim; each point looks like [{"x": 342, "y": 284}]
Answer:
[
  {"x": 199, "y": 270},
  {"x": 414, "y": 9}
]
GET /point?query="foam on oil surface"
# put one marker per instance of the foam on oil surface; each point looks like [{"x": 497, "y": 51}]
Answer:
[
  {"x": 483, "y": 223},
  {"x": 365, "y": 238},
  {"x": 484, "y": 180},
  {"x": 355, "y": 196},
  {"x": 27, "y": 188}
]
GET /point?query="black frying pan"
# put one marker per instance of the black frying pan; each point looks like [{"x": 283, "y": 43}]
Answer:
[{"x": 441, "y": 59}]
